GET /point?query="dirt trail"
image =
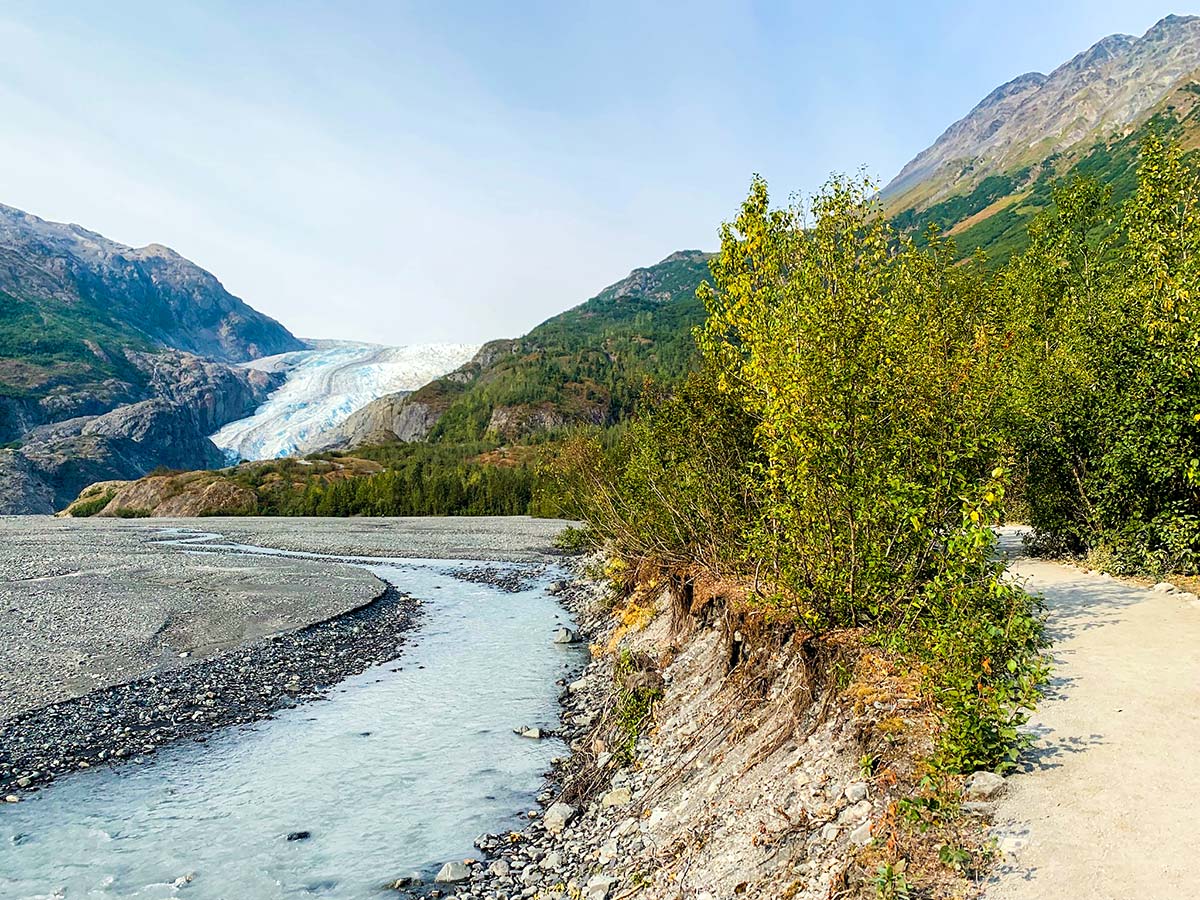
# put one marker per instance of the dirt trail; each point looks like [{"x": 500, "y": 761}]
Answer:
[{"x": 1110, "y": 801}]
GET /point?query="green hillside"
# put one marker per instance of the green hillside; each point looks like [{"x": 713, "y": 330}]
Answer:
[
  {"x": 994, "y": 216},
  {"x": 586, "y": 365}
]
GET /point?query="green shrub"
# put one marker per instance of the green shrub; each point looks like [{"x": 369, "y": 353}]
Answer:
[
  {"x": 1105, "y": 392},
  {"x": 82, "y": 509}
]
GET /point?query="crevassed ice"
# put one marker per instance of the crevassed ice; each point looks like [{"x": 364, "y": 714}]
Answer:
[{"x": 325, "y": 385}]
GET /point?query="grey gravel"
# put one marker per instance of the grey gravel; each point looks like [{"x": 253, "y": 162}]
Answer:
[
  {"x": 88, "y": 604},
  {"x": 113, "y": 644}
]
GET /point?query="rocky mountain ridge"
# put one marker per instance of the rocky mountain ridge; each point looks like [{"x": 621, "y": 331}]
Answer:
[
  {"x": 1104, "y": 90},
  {"x": 150, "y": 291},
  {"x": 114, "y": 360},
  {"x": 583, "y": 366}
]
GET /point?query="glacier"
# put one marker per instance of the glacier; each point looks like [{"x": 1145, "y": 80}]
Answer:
[{"x": 324, "y": 385}]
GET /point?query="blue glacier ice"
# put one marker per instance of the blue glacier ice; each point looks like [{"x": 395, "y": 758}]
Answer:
[{"x": 325, "y": 385}]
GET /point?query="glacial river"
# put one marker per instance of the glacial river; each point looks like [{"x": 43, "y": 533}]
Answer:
[{"x": 396, "y": 773}]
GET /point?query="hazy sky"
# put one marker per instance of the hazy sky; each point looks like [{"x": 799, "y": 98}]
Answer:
[{"x": 406, "y": 172}]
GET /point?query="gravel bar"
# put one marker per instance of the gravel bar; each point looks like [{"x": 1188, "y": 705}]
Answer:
[{"x": 113, "y": 643}]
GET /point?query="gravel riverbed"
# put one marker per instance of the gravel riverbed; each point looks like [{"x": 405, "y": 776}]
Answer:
[{"x": 113, "y": 643}]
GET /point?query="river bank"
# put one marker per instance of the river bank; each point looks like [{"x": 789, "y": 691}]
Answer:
[
  {"x": 401, "y": 766},
  {"x": 113, "y": 643}
]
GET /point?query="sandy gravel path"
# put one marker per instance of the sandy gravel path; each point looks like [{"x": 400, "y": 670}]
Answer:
[{"x": 1109, "y": 805}]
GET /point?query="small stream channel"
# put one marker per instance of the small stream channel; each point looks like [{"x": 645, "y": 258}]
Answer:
[{"x": 396, "y": 772}]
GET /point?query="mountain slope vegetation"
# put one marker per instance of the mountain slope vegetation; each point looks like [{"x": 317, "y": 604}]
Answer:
[
  {"x": 584, "y": 366},
  {"x": 986, "y": 178}
]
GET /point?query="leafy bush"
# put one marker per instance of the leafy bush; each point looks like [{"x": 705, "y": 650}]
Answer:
[
  {"x": 842, "y": 443},
  {"x": 82, "y": 509},
  {"x": 1106, "y": 394}
]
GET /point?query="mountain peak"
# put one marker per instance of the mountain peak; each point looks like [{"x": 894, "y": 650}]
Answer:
[
  {"x": 151, "y": 292},
  {"x": 1100, "y": 90}
]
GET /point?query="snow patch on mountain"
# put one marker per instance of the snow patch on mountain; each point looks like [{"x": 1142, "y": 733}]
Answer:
[{"x": 325, "y": 385}]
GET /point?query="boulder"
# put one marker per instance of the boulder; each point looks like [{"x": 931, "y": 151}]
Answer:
[
  {"x": 982, "y": 786},
  {"x": 856, "y": 791},
  {"x": 500, "y": 868},
  {"x": 557, "y": 817},
  {"x": 861, "y": 836},
  {"x": 453, "y": 872},
  {"x": 565, "y": 636}
]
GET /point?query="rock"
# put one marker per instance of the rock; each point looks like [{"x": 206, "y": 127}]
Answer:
[
  {"x": 402, "y": 883},
  {"x": 982, "y": 786},
  {"x": 628, "y": 827},
  {"x": 299, "y": 835},
  {"x": 452, "y": 873},
  {"x": 551, "y": 862},
  {"x": 1164, "y": 587},
  {"x": 616, "y": 797},
  {"x": 557, "y": 817},
  {"x": 855, "y": 813},
  {"x": 829, "y": 832},
  {"x": 565, "y": 636},
  {"x": 598, "y": 887},
  {"x": 531, "y": 731},
  {"x": 861, "y": 836},
  {"x": 607, "y": 853},
  {"x": 856, "y": 791},
  {"x": 500, "y": 868},
  {"x": 1010, "y": 845}
]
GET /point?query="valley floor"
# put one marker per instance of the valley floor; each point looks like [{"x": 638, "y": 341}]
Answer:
[
  {"x": 113, "y": 642},
  {"x": 1107, "y": 806}
]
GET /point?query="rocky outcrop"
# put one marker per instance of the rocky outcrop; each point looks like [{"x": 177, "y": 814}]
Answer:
[
  {"x": 512, "y": 422},
  {"x": 164, "y": 496},
  {"x": 381, "y": 421},
  {"x": 1103, "y": 90},
  {"x": 192, "y": 397},
  {"x": 752, "y": 772},
  {"x": 22, "y": 491}
]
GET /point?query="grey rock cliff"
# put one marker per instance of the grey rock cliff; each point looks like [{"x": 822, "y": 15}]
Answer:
[
  {"x": 151, "y": 290},
  {"x": 192, "y": 398},
  {"x": 1100, "y": 91}
]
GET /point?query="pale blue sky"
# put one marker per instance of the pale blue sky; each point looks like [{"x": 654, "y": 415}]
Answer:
[{"x": 406, "y": 172}]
